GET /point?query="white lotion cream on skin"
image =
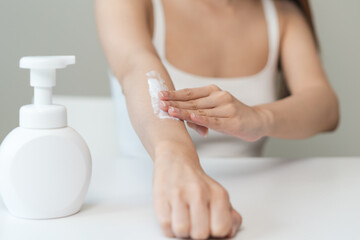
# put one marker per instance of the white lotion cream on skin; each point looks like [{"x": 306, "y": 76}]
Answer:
[{"x": 157, "y": 84}]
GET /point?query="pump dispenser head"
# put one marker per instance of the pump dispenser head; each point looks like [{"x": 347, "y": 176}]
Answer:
[{"x": 42, "y": 114}]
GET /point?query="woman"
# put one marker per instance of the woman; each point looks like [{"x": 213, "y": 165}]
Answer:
[{"x": 222, "y": 56}]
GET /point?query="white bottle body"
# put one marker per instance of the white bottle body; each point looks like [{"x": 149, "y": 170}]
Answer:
[{"x": 44, "y": 173}]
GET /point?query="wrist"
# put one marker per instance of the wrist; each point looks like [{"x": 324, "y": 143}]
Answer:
[
  {"x": 266, "y": 117},
  {"x": 170, "y": 151}
]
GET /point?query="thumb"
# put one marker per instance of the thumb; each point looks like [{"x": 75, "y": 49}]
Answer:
[{"x": 203, "y": 131}]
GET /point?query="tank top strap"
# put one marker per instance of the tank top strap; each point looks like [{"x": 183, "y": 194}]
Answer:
[
  {"x": 159, "y": 27},
  {"x": 273, "y": 31}
]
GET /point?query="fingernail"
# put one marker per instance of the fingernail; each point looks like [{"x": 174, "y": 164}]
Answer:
[
  {"x": 175, "y": 110},
  {"x": 163, "y": 104},
  {"x": 163, "y": 94}
]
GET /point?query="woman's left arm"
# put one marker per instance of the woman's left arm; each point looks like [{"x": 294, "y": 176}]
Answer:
[{"x": 311, "y": 108}]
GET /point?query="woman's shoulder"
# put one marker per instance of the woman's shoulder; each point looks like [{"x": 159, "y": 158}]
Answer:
[
  {"x": 287, "y": 7},
  {"x": 288, "y": 10},
  {"x": 290, "y": 15}
]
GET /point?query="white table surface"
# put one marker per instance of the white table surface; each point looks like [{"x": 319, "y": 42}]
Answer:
[{"x": 280, "y": 199}]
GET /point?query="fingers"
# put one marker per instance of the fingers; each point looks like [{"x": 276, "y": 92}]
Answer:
[
  {"x": 184, "y": 114},
  {"x": 215, "y": 123},
  {"x": 216, "y": 98},
  {"x": 201, "y": 103},
  {"x": 201, "y": 220},
  {"x": 203, "y": 131},
  {"x": 188, "y": 93},
  {"x": 209, "y": 118},
  {"x": 163, "y": 210},
  {"x": 180, "y": 219},
  {"x": 221, "y": 218},
  {"x": 200, "y": 226},
  {"x": 236, "y": 221}
]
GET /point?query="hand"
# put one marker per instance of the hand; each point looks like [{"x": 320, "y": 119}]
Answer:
[
  {"x": 210, "y": 107},
  {"x": 188, "y": 203}
]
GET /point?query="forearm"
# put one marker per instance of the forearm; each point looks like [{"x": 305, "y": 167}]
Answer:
[
  {"x": 157, "y": 135},
  {"x": 301, "y": 115}
]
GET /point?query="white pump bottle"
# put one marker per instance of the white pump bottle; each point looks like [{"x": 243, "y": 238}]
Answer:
[{"x": 45, "y": 166}]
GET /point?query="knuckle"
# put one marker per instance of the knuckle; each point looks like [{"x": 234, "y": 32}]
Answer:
[
  {"x": 222, "y": 193},
  {"x": 225, "y": 195},
  {"x": 195, "y": 188},
  {"x": 174, "y": 104},
  {"x": 193, "y": 104},
  {"x": 187, "y": 92},
  {"x": 205, "y": 120},
  {"x": 214, "y": 88},
  {"x": 176, "y": 193},
  {"x": 231, "y": 109},
  {"x": 226, "y": 96},
  {"x": 198, "y": 193},
  {"x": 169, "y": 94},
  {"x": 199, "y": 198},
  {"x": 201, "y": 112},
  {"x": 217, "y": 122}
]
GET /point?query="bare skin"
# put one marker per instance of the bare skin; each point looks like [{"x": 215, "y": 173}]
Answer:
[
  {"x": 311, "y": 92},
  {"x": 187, "y": 202}
]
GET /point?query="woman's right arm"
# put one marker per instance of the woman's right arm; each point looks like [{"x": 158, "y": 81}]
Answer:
[
  {"x": 126, "y": 40},
  {"x": 182, "y": 191}
]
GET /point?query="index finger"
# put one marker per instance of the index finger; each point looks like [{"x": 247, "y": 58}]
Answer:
[{"x": 188, "y": 93}]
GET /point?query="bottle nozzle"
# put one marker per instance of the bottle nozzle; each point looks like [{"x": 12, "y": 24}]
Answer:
[
  {"x": 43, "y": 114},
  {"x": 43, "y": 74}
]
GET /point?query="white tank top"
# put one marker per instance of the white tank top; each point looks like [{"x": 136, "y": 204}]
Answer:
[{"x": 252, "y": 90}]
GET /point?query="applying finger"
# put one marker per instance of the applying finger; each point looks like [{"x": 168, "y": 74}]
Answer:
[
  {"x": 203, "y": 131},
  {"x": 215, "y": 123},
  {"x": 185, "y": 114},
  {"x": 188, "y": 93},
  {"x": 215, "y": 99},
  {"x": 201, "y": 103}
]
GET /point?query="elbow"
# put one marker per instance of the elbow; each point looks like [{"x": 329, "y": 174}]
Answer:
[
  {"x": 334, "y": 124},
  {"x": 132, "y": 63},
  {"x": 334, "y": 115}
]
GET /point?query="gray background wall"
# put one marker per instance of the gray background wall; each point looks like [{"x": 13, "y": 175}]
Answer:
[{"x": 54, "y": 27}]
